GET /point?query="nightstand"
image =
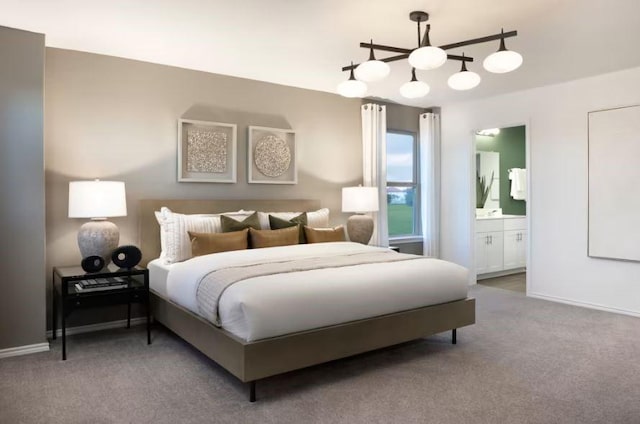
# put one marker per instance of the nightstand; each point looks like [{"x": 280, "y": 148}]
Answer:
[{"x": 136, "y": 290}]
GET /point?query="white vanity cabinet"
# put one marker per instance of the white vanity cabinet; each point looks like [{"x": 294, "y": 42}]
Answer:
[
  {"x": 515, "y": 243},
  {"x": 489, "y": 246},
  {"x": 500, "y": 244}
]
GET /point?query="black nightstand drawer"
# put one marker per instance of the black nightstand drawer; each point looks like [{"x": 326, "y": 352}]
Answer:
[{"x": 104, "y": 299}]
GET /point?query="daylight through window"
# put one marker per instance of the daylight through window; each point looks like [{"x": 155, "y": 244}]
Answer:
[{"x": 402, "y": 184}]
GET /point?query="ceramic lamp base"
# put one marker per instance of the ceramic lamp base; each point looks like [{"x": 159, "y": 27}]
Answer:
[
  {"x": 98, "y": 238},
  {"x": 360, "y": 228}
]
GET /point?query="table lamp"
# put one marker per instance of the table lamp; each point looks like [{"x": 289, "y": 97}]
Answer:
[
  {"x": 97, "y": 200},
  {"x": 360, "y": 200}
]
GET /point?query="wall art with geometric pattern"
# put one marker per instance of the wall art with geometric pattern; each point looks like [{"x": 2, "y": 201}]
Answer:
[
  {"x": 206, "y": 151},
  {"x": 271, "y": 156}
]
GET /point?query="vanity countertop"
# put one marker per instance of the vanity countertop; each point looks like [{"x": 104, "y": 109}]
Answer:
[{"x": 482, "y": 218}]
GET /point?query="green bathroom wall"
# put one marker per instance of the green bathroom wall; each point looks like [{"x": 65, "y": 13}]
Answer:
[{"x": 510, "y": 143}]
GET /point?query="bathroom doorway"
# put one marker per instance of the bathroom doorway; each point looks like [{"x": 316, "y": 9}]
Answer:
[{"x": 500, "y": 218}]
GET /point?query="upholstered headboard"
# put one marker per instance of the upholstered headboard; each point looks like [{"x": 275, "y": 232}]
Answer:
[{"x": 149, "y": 229}]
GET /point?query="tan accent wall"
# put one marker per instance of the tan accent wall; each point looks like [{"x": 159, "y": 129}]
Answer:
[{"x": 113, "y": 118}]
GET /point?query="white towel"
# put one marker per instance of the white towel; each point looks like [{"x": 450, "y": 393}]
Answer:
[{"x": 518, "y": 179}]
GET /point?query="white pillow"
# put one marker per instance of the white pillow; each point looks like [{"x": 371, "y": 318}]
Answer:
[
  {"x": 174, "y": 227},
  {"x": 318, "y": 219},
  {"x": 315, "y": 219},
  {"x": 163, "y": 237}
]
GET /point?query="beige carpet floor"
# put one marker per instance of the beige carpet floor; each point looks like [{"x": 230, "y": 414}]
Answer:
[{"x": 525, "y": 361}]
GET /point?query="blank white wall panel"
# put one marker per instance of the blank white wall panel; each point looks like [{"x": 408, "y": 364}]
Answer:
[{"x": 614, "y": 183}]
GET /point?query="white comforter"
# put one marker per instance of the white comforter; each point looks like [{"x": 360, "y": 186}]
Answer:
[{"x": 274, "y": 305}]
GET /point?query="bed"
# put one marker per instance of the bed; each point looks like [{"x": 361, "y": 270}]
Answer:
[{"x": 251, "y": 351}]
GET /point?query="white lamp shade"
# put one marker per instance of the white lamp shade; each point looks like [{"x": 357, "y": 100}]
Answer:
[
  {"x": 352, "y": 88},
  {"x": 360, "y": 199},
  {"x": 428, "y": 57},
  {"x": 502, "y": 61},
  {"x": 97, "y": 199},
  {"x": 464, "y": 80},
  {"x": 372, "y": 70},
  {"x": 414, "y": 89}
]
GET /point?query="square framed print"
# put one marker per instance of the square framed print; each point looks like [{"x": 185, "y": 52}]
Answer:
[
  {"x": 272, "y": 156},
  {"x": 206, "y": 151}
]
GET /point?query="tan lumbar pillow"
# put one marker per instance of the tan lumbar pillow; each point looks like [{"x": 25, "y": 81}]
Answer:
[
  {"x": 272, "y": 238},
  {"x": 323, "y": 235},
  {"x": 206, "y": 243}
]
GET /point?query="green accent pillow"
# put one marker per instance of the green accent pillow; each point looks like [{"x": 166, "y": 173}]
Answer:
[
  {"x": 301, "y": 220},
  {"x": 229, "y": 224}
]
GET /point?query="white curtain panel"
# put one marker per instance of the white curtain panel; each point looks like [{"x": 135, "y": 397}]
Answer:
[
  {"x": 374, "y": 165},
  {"x": 430, "y": 183}
]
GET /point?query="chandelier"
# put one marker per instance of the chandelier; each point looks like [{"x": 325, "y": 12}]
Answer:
[{"x": 427, "y": 57}]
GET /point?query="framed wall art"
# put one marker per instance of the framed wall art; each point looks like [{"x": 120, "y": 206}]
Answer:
[
  {"x": 272, "y": 156},
  {"x": 206, "y": 151}
]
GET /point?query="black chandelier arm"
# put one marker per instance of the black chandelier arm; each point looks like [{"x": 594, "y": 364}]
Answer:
[
  {"x": 386, "y": 59},
  {"x": 462, "y": 58},
  {"x": 406, "y": 56},
  {"x": 480, "y": 40},
  {"x": 406, "y": 53},
  {"x": 386, "y": 48}
]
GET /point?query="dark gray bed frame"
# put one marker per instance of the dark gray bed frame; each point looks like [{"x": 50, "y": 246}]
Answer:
[{"x": 252, "y": 361}]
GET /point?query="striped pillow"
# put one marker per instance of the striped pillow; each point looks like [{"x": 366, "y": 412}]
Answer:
[{"x": 174, "y": 231}]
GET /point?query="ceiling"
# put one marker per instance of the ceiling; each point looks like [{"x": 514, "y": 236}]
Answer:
[{"x": 304, "y": 43}]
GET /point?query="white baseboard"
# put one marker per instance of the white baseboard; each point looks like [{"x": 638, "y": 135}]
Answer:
[
  {"x": 504, "y": 273},
  {"x": 44, "y": 347},
  {"x": 584, "y": 304},
  {"x": 24, "y": 350},
  {"x": 98, "y": 327}
]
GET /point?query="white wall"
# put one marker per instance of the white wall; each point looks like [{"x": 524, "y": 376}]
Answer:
[{"x": 556, "y": 119}]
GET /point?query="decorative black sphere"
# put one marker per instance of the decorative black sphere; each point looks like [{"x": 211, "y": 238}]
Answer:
[
  {"x": 126, "y": 256},
  {"x": 92, "y": 263}
]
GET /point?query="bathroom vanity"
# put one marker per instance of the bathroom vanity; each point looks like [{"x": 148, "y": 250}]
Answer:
[{"x": 500, "y": 245}]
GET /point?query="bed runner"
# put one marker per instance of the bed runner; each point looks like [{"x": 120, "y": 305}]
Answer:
[{"x": 213, "y": 284}]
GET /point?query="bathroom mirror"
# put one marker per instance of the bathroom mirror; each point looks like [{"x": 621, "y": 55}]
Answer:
[{"x": 488, "y": 166}]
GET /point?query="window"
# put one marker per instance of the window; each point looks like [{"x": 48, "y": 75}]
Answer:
[{"x": 403, "y": 201}]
